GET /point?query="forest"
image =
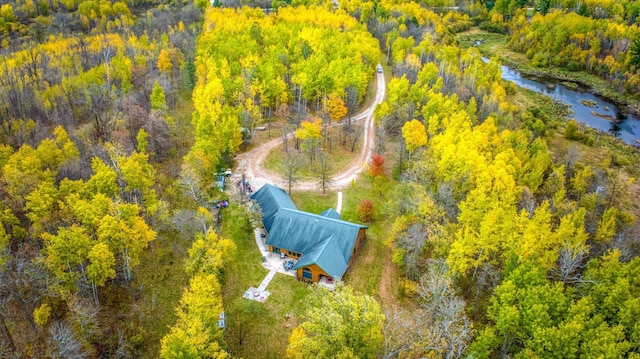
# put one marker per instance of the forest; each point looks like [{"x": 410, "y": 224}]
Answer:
[{"x": 500, "y": 226}]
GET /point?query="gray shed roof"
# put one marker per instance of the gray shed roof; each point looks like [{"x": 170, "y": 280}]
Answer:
[{"x": 270, "y": 199}]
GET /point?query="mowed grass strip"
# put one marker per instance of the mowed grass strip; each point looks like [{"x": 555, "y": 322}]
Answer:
[{"x": 267, "y": 334}]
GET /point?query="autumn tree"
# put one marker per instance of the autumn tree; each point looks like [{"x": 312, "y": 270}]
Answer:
[
  {"x": 338, "y": 324},
  {"x": 336, "y": 108},
  {"x": 196, "y": 332},
  {"x": 414, "y": 134},
  {"x": 376, "y": 167},
  {"x": 310, "y": 133},
  {"x": 365, "y": 210}
]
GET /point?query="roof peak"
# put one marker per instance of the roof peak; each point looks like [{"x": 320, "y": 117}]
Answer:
[{"x": 324, "y": 218}]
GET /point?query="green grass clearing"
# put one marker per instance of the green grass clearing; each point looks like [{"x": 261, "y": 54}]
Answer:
[
  {"x": 340, "y": 156},
  {"x": 161, "y": 279}
]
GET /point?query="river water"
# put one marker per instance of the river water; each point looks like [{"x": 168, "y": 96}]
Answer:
[{"x": 587, "y": 108}]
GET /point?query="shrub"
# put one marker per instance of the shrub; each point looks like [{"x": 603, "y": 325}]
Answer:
[
  {"x": 494, "y": 27},
  {"x": 376, "y": 167},
  {"x": 365, "y": 210},
  {"x": 574, "y": 66},
  {"x": 572, "y": 131},
  {"x": 621, "y": 160},
  {"x": 540, "y": 60},
  {"x": 408, "y": 288}
]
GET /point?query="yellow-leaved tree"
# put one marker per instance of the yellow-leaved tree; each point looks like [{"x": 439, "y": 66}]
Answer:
[
  {"x": 310, "y": 133},
  {"x": 336, "y": 107},
  {"x": 414, "y": 134},
  {"x": 196, "y": 333}
]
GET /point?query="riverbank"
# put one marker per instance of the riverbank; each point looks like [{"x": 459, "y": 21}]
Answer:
[{"x": 491, "y": 44}]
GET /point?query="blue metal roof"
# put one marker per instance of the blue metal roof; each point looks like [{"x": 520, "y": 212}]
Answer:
[
  {"x": 323, "y": 239},
  {"x": 326, "y": 255},
  {"x": 331, "y": 213},
  {"x": 270, "y": 199}
]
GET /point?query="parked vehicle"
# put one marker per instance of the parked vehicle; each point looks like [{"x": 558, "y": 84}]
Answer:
[{"x": 220, "y": 182}]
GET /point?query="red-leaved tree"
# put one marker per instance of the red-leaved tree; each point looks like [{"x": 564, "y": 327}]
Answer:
[{"x": 376, "y": 167}]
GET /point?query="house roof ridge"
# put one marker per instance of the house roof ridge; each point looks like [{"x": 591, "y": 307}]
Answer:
[{"x": 323, "y": 217}]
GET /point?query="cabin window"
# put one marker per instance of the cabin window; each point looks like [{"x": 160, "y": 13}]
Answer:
[
  {"x": 276, "y": 250},
  {"x": 294, "y": 254},
  {"x": 306, "y": 273}
]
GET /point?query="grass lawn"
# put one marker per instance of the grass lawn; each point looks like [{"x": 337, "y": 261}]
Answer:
[
  {"x": 268, "y": 334},
  {"x": 341, "y": 156},
  {"x": 314, "y": 202},
  {"x": 161, "y": 279}
]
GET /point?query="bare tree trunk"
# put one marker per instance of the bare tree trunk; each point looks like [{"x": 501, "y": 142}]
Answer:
[
  {"x": 28, "y": 313},
  {"x": 356, "y": 136},
  {"x": 126, "y": 265},
  {"x": 5, "y": 334},
  {"x": 284, "y": 139}
]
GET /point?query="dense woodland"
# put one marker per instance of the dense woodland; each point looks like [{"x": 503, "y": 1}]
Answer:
[{"x": 514, "y": 232}]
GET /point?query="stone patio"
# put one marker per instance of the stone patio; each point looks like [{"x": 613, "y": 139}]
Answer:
[
  {"x": 271, "y": 261},
  {"x": 261, "y": 293}
]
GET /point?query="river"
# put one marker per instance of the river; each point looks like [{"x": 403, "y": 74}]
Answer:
[{"x": 587, "y": 108}]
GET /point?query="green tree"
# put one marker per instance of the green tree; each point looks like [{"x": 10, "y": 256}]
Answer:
[
  {"x": 66, "y": 253},
  {"x": 158, "y": 101},
  {"x": 338, "y": 324},
  {"x": 310, "y": 133},
  {"x": 101, "y": 268},
  {"x": 242, "y": 323}
]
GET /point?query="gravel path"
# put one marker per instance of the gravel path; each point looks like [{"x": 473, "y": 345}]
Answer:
[{"x": 250, "y": 163}]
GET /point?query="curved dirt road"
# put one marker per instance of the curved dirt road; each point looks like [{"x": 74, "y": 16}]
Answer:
[{"x": 250, "y": 163}]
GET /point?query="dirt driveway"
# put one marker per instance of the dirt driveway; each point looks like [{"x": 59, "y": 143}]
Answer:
[{"x": 250, "y": 163}]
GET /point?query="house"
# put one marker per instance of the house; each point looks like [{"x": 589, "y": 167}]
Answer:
[{"x": 322, "y": 245}]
